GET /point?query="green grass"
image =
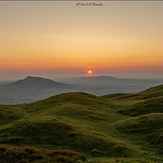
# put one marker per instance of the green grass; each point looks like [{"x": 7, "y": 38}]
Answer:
[
  {"x": 146, "y": 107},
  {"x": 11, "y": 113},
  {"x": 141, "y": 126},
  {"x": 122, "y": 127}
]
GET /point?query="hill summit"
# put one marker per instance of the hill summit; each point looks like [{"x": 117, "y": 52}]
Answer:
[{"x": 31, "y": 81}]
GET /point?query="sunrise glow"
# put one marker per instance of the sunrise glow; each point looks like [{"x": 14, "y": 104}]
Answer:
[{"x": 60, "y": 38}]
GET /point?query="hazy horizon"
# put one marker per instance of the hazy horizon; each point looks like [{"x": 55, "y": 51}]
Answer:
[
  {"x": 65, "y": 39},
  {"x": 58, "y": 78}
]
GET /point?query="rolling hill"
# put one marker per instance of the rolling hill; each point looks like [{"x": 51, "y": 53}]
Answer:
[{"x": 119, "y": 127}]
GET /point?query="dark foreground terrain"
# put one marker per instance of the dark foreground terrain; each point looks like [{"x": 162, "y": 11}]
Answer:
[{"x": 80, "y": 127}]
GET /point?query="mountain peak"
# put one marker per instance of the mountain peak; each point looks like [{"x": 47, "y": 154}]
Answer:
[
  {"x": 37, "y": 82},
  {"x": 28, "y": 77},
  {"x": 33, "y": 78}
]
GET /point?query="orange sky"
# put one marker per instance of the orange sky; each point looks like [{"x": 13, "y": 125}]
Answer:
[{"x": 61, "y": 38}]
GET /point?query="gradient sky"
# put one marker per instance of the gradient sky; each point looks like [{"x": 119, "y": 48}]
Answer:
[{"x": 59, "y": 39}]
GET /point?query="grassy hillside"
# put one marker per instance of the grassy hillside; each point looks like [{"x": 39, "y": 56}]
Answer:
[
  {"x": 10, "y": 114},
  {"x": 117, "y": 127}
]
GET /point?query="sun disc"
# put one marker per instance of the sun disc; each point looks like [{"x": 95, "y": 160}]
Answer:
[{"x": 90, "y": 72}]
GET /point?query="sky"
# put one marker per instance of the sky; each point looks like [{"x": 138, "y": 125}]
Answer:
[{"x": 68, "y": 38}]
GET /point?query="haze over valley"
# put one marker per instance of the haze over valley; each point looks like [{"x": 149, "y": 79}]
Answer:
[{"x": 33, "y": 89}]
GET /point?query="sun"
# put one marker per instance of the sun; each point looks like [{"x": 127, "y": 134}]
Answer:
[{"x": 90, "y": 72}]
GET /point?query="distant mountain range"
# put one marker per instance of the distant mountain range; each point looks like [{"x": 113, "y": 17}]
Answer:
[
  {"x": 32, "y": 89},
  {"x": 101, "y": 85},
  {"x": 108, "y": 80}
]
